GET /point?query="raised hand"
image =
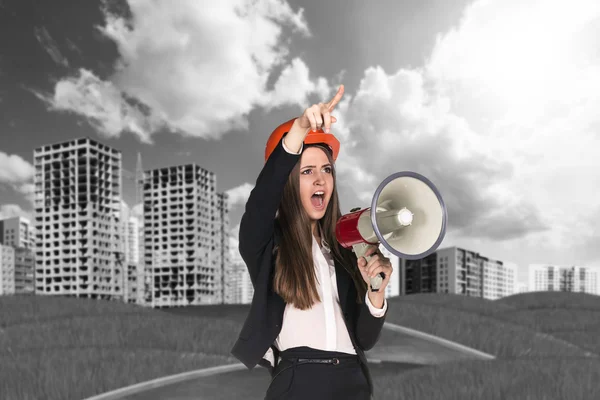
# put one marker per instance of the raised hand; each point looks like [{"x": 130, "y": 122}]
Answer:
[{"x": 319, "y": 114}]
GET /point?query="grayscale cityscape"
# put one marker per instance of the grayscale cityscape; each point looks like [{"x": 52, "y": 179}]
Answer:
[{"x": 132, "y": 135}]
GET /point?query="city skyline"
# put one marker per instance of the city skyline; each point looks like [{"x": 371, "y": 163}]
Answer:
[{"x": 442, "y": 88}]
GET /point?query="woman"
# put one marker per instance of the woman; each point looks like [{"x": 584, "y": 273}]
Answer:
[{"x": 312, "y": 315}]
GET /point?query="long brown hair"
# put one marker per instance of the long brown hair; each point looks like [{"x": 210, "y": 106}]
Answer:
[{"x": 294, "y": 278}]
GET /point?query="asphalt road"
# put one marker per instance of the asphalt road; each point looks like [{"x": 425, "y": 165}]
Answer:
[
  {"x": 395, "y": 351},
  {"x": 245, "y": 384}
]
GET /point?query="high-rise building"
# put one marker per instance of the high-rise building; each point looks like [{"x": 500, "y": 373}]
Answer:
[
  {"x": 16, "y": 232},
  {"x": 499, "y": 278},
  {"x": 563, "y": 278},
  {"x": 77, "y": 212},
  {"x": 183, "y": 260},
  {"x": 238, "y": 286},
  {"x": 7, "y": 270},
  {"x": 133, "y": 278},
  {"x": 24, "y": 271},
  {"x": 222, "y": 200},
  {"x": 130, "y": 234},
  {"x": 421, "y": 276},
  {"x": 460, "y": 271}
]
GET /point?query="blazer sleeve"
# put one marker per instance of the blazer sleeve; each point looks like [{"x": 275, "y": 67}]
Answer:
[
  {"x": 368, "y": 326},
  {"x": 258, "y": 221}
]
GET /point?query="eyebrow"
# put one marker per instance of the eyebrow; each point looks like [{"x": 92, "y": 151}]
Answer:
[{"x": 314, "y": 166}]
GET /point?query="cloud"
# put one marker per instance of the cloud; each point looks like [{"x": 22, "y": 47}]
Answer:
[
  {"x": 234, "y": 242},
  {"x": 17, "y": 173},
  {"x": 502, "y": 118},
  {"x": 530, "y": 88},
  {"x": 14, "y": 169},
  {"x": 49, "y": 44},
  {"x": 194, "y": 69},
  {"x": 293, "y": 87},
  {"x": 396, "y": 124},
  {"x": 102, "y": 104},
  {"x": 14, "y": 210},
  {"x": 238, "y": 196}
]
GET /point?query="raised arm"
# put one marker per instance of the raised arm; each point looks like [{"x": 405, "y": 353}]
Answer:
[{"x": 257, "y": 223}]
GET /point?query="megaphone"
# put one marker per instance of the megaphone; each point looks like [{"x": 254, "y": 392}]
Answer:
[{"x": 407, "y": 215}]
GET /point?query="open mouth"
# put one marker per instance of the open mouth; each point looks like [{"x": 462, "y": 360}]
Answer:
[{"x": 318, "y": 200}]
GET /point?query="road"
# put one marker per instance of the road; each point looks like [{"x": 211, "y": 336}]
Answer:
[
  {"x": 245, "y": 384},
  {"x": 395, "y": 351}
]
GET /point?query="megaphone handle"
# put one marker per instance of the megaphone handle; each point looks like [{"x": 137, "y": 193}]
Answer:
[{"x": 360, "y": 250}]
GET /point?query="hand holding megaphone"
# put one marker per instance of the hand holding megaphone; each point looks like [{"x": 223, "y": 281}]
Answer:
[
  {"x": 407, "y": 216},
  {"x": 374, "y": 266}
]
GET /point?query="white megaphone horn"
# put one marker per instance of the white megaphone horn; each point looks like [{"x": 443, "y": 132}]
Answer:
[{"x": 409, "y": 220}]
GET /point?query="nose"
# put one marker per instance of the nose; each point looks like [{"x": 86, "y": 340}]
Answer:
[{"x": 319, "y": 179}]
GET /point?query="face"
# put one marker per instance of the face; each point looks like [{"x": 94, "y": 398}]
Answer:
[{"x": 316, "y": 182}]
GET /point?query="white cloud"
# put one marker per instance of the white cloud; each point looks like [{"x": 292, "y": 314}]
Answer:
[
  {"x": 14, "y": 210},
  {"x": 234, "y": 242},
  {"x": 238, "y": 196},
  {"x": 102, "y": 104},
  {"x": 503, "y": 118},
  {"x": 198, "y": 68},
  {"x": 399, "y": 126},
  {"x": 17, "y": 173},
  {"x": 49, "y": 44},
  {"x": 28, "y": 191},
  {"x": 294, "y": 85},
  {"x": 14, "y": 169}
]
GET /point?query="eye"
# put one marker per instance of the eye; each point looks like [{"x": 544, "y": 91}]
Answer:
[
  {"x": 328, "y": 170},
  {"x": 305, "y": 171}
]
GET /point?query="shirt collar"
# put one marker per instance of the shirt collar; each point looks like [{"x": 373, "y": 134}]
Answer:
[{"x": 324, "y": 245}]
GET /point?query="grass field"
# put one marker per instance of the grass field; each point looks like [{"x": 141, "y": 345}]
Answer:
[
  {"x": 531, "y": 379},
  {"x": 66, "y": 348},
  {"x": 478, "y": 327}
]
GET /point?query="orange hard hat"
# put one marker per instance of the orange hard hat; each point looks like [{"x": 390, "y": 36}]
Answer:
[{"x": 311, "y": 138}]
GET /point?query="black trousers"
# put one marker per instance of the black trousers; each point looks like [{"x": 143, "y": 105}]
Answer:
[{"x": 310, "y": 374}]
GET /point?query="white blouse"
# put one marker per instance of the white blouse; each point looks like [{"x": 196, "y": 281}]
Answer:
[{"x": 322, "y": 326}]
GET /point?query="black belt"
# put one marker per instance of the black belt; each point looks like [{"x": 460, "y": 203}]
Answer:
[
  {"x": 332, "y": 361},
  {"x": 295, "y": 361}
]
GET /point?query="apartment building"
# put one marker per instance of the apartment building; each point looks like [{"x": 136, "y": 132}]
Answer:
[
  {"x": 421, "y": 276},
  {"x": 499, "y": 278},
  {"x": 7, "y": 270},
  {"x": 133, "y": 277},
  {"x": 222, "y": 202},
  {"x": 564, "y": 278},
  {"x": 183, "y": 237},
  {"x": 77, "y": 213},
  {"x": 460, "y": 271},
  {"x": 24, "y": 271},
  {"x": 16, "y": 232}
]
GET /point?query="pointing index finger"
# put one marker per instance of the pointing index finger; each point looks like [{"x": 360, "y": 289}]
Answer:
[{"x": 336, "y": 99}]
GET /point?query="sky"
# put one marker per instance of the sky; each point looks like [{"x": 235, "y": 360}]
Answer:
[{"x": 495, "y": 101}]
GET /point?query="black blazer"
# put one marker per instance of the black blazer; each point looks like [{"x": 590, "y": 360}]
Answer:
[{"x": 259, "y": 233}]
